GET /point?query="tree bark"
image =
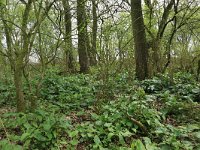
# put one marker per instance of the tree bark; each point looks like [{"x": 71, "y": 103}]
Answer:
[
  {"x": 82, "y": 37},
  {"x": 141, "y": 52},
  {"x": 93, "y": 60},
  {"x": 156, "y": 43},
  {"x": 69, "y": 58},
  {"x": 198, "y": 70},
  {"x": 18, "y": 75}
]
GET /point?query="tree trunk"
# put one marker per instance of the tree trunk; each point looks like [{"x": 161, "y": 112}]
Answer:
[
  {"x": 198, "y": 70},
  {"x": 82, "y": 37},
  {"x": 156, "y": 56},
  {"x": 169, "y": 50},
  {"x": 69, "y": 58},
  {"x": 141, "y": 52},
  {"x": 93, "y": 60},
  {"x": 18, "y": 74},
  {"x": 156, "y": 43}
]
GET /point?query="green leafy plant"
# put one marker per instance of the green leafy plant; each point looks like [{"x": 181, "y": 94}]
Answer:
[
  {"x": 156, "y": 114},
  {"x": 73, "y": 91},
  {"x": 7, "y": 93},
  {"x": 37, "y": 130}
]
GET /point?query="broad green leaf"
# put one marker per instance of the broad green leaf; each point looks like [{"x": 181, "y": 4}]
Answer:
[
  {"x": 126, "y": 133},
  {"x": 138, "y": 145},
  {"x": 110, "y": 135},
  {"x": 38, "y": 135},
  {"x": 121, "y": 139},
  {"x": 107, "y": 124},
  {"x": 6, "y": 145},
  {"x": 97, "y": 140},
  {"x": 94, "y": 116},
  {"x": 74, "y": 142},
  {"x": 197, "y": 134},
  {"x": 99, "y": 122},
  {"x": 25, "y": 136},
  {"x": 47, "y": 126},
  {"x": 73, "y": 133},
  {"x": 149, "y": 144},
  {"x": 49, "y": 135}
]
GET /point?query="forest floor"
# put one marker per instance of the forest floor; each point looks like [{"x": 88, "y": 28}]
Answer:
[{"x": 114, "y": 113}]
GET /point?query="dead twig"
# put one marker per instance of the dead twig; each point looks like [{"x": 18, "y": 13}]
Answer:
[{"x": 138, "y": 123}]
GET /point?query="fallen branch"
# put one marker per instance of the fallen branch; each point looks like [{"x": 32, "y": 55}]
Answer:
[{"x": 138, "y": 123}]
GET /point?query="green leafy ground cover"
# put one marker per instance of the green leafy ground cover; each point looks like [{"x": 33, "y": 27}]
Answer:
[{"x": 85, "y": 112}]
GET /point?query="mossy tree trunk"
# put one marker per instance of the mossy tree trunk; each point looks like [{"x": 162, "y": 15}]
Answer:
[
  {"x": 18, "y": 80},
  {"x": 93, "y": 60},
  {"x": 82, "y": 37},
  {"x": 69, "y": 58}
]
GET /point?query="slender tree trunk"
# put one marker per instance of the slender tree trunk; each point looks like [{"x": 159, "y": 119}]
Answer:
[
  {"x": 198, "y": 70},
  {"x": 141, "y": 52},
  {"x": 157, "y": 41},
  {"x": 169, "y": 51},
  {"x": 93, "y": 60},
  {"x": 69, "y": 58},
  {"x": 82, "y": 37},
  {"x": 89, "y": 47},
  {"x": 156, "y": 56}
]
